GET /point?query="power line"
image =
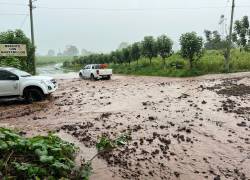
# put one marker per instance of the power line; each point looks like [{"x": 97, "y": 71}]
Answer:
[
  {"x": 13, "y": 4},
  {"x": 13, "y": 14},
  {"x": 127, "y": 9},
  {"x": 134, "y": 9}
]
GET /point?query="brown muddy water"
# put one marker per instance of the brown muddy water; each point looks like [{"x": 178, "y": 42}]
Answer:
[{"x": 191, "y": 128}]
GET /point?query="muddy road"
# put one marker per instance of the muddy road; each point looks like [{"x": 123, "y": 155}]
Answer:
[{"x": 193, "y": 128}]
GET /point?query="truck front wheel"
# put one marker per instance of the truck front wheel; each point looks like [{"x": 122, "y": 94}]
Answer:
[
  {"x": 33, "y": 95},
  {"x": 80, "y": 75},
  {"x": 92, "y": 77}
]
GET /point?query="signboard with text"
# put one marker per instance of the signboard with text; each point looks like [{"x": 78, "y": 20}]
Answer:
[{"x": 13, "y": 50}]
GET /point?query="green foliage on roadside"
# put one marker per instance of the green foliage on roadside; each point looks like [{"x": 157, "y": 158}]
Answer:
[
  {"x": 106, "y": 144},
  {"x": 164, "y": 46},
  {"x": 18, "y": 37},
  {"x": 191, "y": 47},
  {"x": 149, "y": 47},
  {"x": 46, "y": 157},
  {"x": 211, "y": 62},
  {"x": 40, "y": 157},
  {"x": 11, "y": 62}
]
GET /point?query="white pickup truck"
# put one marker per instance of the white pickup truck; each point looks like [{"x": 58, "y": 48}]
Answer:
[
  {"x": 95, "y": 71},
  {"x": 17, "y": 83}
]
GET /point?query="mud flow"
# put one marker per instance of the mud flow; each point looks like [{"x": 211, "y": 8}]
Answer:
[{"x": 193, "y": 128}]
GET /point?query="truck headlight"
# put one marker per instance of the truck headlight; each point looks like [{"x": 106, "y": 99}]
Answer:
[{"x": 46, "y": 82}]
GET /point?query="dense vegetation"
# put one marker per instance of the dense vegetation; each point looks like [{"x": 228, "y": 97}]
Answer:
[
  {"x": 29, "y": 158},
  {"x": 176, "y": 66},
  {"x": 46, "y": 157},
  {"x": 155, "y": 56},
  {"x": 18, "y": 37}
]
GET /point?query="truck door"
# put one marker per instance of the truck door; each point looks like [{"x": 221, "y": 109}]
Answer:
[
  {"x": 87, "y": 71},
  {"x": 9, "y": 83}
]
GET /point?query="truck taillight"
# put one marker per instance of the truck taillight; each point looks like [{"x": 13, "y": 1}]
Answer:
[{"x": 97, "y": 72}]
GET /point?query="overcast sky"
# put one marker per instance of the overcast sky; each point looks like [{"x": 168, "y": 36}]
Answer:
[{"x": 101, "y": 25}]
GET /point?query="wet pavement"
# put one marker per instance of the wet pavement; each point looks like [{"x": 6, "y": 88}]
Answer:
[{"x": 191, "y": 128}]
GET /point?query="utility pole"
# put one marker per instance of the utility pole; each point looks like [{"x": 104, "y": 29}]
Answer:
[
  {"x": 228, "y": 53},
  {"x": 31, "y": 7}
]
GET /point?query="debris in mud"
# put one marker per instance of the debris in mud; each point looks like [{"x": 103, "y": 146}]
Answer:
[
  {"x": 81, "y": 132},
  {"x": 231, "y": 106},
  {"x": 131, "y": 163},
  {"x": 147, "y": 103},
  {"x": 105, "y": 115},
  {"x": 152, "y": 118},
  {"x": 242, "y": 124},
  {"x": 217, "y": 178},
  {"x": 235, "y": 90},
  {"x": 203, "y": 102},
  {"x": 23, "y": 110},
  {"x": 186, "y": 129},
  {"x": 183, "y": 96},
  {"x": 229, "y": 87},
  {"x": 176, "y": 174}
]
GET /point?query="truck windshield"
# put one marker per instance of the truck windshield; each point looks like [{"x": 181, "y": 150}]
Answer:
[{"x": 20, "y": 73}]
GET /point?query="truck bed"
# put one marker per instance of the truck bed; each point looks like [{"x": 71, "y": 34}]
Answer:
[{"x": 105, "y": 72}]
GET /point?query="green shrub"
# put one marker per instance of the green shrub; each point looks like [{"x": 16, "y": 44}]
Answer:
[
  {"x": 11, "y": 62},
  {"x": 43, "y": 157},
  {"x": 47, "y": 157}
]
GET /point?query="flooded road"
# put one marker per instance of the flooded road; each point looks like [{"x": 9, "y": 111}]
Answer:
[
  {"x": 191, "y": 128},
  {"x": 52, "y": 69}
]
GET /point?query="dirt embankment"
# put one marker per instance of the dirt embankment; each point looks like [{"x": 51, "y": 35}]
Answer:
[{"x": 195, "y": 128}]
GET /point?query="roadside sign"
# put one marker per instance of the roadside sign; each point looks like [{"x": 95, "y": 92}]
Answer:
[{"x": 13, "y": 50}]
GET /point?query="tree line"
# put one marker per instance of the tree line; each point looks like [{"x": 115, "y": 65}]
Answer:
[
  {"x": 149, "y": 47},
  {"x": 192, "y": 47}
]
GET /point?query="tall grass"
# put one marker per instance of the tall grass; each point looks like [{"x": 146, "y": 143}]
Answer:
[
  {"x": 240, "y": 61},
  {"x": 211, "y": 62}
]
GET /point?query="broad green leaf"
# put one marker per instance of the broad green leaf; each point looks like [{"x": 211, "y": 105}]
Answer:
[
  {"x": 60, "y": 165},
  {"x": 46, "y": 159},
  {"x": 3, "y": 145},
  {"x": 40, "y": 152}
]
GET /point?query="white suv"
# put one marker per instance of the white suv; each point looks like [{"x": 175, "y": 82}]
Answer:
[{"x": 17, "y": 83}]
